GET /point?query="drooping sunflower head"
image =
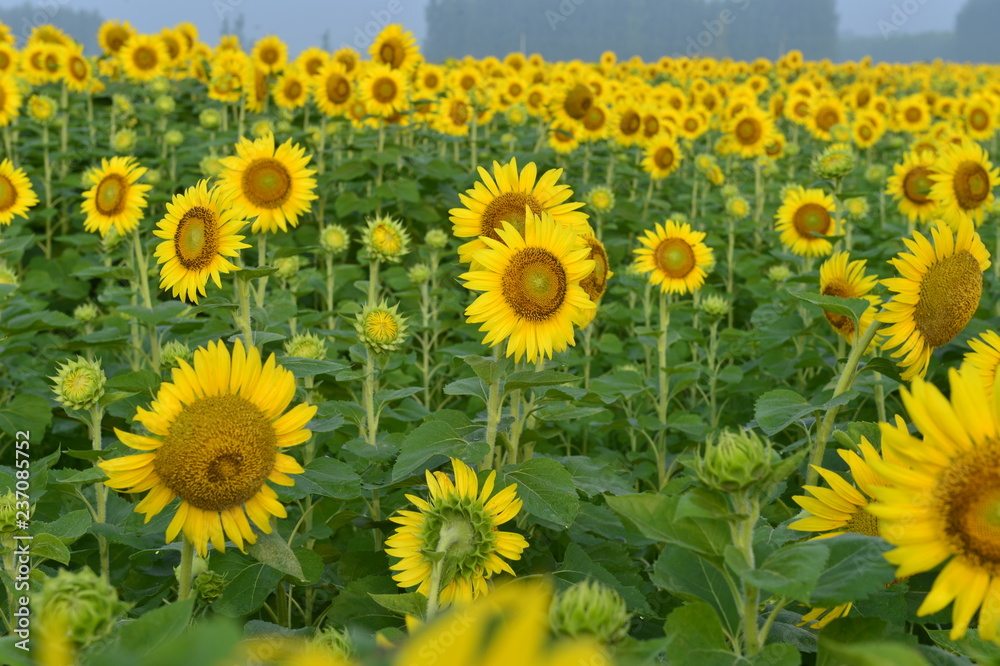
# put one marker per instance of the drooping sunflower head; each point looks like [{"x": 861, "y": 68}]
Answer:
[
  {"x": 201, "y": 228},
  {"x": 381, "y": 328},
  {"x": 217, "y": 434},
  {"x": 459, "y": 519},
  {"x": 675, "y": 257},
  {"x": 507, "y": 197},
  {"x": 937, "y": 293},
  {"x": 838, "y": 276},
  {"x": 804, "y": 219},
  {"x": 16, "y": 194},
  {"x": 115, "y": 199},
  {"x": 964, "y": 179},
  {"x": 269, "y": 183},
  {"x": 385, "y": 239},
  {"x": 395, "y": 48}
]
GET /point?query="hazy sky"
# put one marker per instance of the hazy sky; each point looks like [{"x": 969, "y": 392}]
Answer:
[{"x": 302, "y": 23}]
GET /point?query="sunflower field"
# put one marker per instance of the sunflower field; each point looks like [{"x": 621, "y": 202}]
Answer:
[{"x": 358, "y": 359}]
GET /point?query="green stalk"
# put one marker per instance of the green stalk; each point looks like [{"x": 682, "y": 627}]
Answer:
[
  {"x": 96, "y": 415},
  {"x": 494, "y": 409},
  {"x": 373, "y": 283},
  {"x": 142, "y": 276},
  {"x": 261, "y": 262},
  {"x": 243, "y": 314},
  {"x": 184, "y": 574},
  {"x": 664, "y": 383}
]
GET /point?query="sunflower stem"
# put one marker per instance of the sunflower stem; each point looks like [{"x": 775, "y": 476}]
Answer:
[
  {"x": 494, "y": 408},
  {"x": 664, "y": 396},
  {"x": 184, "y": 573},
  {"x": 142, "y": 276},
  {"x": 261, "y": 262},
  {"x": 843, "y": 384},
  {"x": 47, "y": 171},
  {"x": 96, "y": 415},
  {"x": 373, "y": 284},
  {"x": 649, "y": 196},
  {"x": 747, "y": 505},
  {"x": 243, "y": 315}
]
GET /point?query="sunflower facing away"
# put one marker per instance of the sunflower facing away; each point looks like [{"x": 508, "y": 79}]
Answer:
[
  {"x": 201, "y": 228},
  {"x": 911, "y": 185},
  {"x": 531, "y": 287},
  {"x": 16, "y": 194},
  {"x": 116, "y": 199},
  {"x": 940, "y": 503},
  {"x": 217, "y": 434},
  {"x": 271, "y": 184},
  {"x": 964, "y": 179},
  {"x": 838, "y": 276},
  {"x": 503, "y": 198},
  {"x": 466, "y": 518},
  {"x": 675, "y": 257},
  {"x": 937, "y": 294},
  {"x": 840, "y": 509},
  {"x": 804, "y": 220}
]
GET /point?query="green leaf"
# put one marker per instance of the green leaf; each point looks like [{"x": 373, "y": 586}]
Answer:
[
  {"x": 346, "y": 203},
  {"x": 577, "y": 566},
  {"x": 69, "y": 527},
  {"x": 469, "y": 386},
  {"x": 690, "y": 576},
  {"x": 861, "y": 641},
  {"x": 15, "y": 244},
  {"x": 695, "y": 637},
  {"x": 350, "y": 169},
  {"x": 971, "y": 645},
  {"x": 883, "y": 366},
  {"x": 594, "y": 477},
  {"x": 104, "y": 272},
  {"x": 856, "y": 568},
  {"x": 26, "y": 412},
  {"x": 331, "y": 478},
  {"x": 272, "y": 550},
  {"x": 486, "y": 369},
  {"x": 658, "y": 517},
  {"x": 12, "y": 655},
  {"x": 546, "y": 488},
  {"x": 530, "y": 378},
  {"x": 778, "y": 409},
  {"x": 248, "y": 590},
  {"x": 848, "y": 307},
  {"x": 47, "y": 546},
  {"x": 307, "y": 367},
  {"x": 311, "y": 563},
  {"x": 252, "y": 273},
  {"x": 791, "y": 571},
  {"x": 143, "y": 381},
  {"x": 410, "y": 603},
  {"x": 156, "y": 627},
  {"x": 430, "y": 440}
]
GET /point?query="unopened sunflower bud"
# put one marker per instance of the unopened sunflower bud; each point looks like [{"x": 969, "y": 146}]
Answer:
[
  {"x": 209, "y": 586},
  {"x": 337, "y": 642},
  {"x": 8, "y": 513},
  {"x": 210, "y": 166},
  {"x": 729, "y": 191},
  {"x": 121, "y": 105},
  {"x": 306, "y": 345},
  {"x": 288, "y": 267},
  {"x": 876, "y": 173},
  {"x": 113, "y": 238},
  {"x": 334, "y": 239},
  {"x": 165, "y": 105},
  {"x": 705, "y": 162},
  {"x": 768, "y": 167},
  {"x": 261, "y": 128},
  {"x": 159, "y": 86},
  {"x": 736, "y": 461},
  {"x": 835, "y": 162},
  {"x": 436, "y": 239},
  {"x": 601, "y": 198},
  {"x": 79, "y": 604},
  {"x": 716, "y": 177},
  {"x": 419, "y": 273},
  {"x": 79, "y": 384},
  {"x": 42, "y": 109},
  {"x": 153, "y": 177},
  {"x": 792, "y": 149},
  {"x": 840, "y": 133},
  {"x": 124, "y": 141},
  {"x": 210, "y": 118},
  {"x": 779, "y": 273},
  {"x": 737, "y": 208},
  {"x": 679, "y": 217},
  {"x": 381, "y": 328},
  {"x": 282, "y": 126},
  {"x": 857, "y": 208},
  {"x": 174, "y": 138},
  {"x": 714, "y": 305},
  {"x": 86, "y": 313},
  {"x": 7, "y": 274},
  {"x": 590, "y": 608},
  {"x": 385, "y": 239},
  {"x": 173, "y": 352}
]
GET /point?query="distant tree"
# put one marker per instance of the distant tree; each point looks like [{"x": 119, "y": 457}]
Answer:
[{"x": 975, "y": 31}]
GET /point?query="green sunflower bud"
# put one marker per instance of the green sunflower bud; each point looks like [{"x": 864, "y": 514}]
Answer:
[
  {"x": 42, "y": 109},
  {"x": 737, "y": 461},
  {"x": 590, "y": 608},
  {"x": 8, "y": 512},
  {"x": 840, "y": 133},
  {"x": 282, "y": 126},
  {"x": 209, "y": 586},
  {"x": 729, "y": 191},
  {"x": 159, "y": 86},
  {"x": 113, "y": 239},
  {"x": 385, "y": 239},
  {"x": 80, "y": 604},
  {"x": 165, "y": 105},
  {"x": 306, "y": 346},
  {"x": 209, "y": 118},
  {"x": 381, "y": 328},
  {"x": 436, "y": 239},
  {"x": 857, "y": 208},
  {"x": 124, "y": 141},
  {"x": 261, "y": 128},
  {"x": 122, "y": 106},
  {"x": 779, "y": 273},
  {"x": 288, "y": 267},
  {"x": 173, "y": 352},
  {"x": 153, "y": 177},
  {"x": 174, "y": 138},
  {"x": 7, "y": 274},
  {"x": 835, "y": 162},
  {"x": 792, "y": 149},
  {"x": 210, "y": 166},
  {"x": 419, "y": 273},
  {"x": 876, "y": 173},
  {"x": 714, "y": 305},
  {"x": 334, "y": 239},
  {"x": 507, "y": 137},
  {"x": 601, "y": 198},
  {"x": 337, "y": 642},
  {"x": 86, "y": 313},
  {"x": 79, "y": 384},
  {"x": 737, "y": 208}
]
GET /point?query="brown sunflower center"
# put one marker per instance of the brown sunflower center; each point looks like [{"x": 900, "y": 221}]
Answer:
[
  {"x": 196, "y": 240},
  {"x": 392, "y": 54},
  {"x": 266, "y": 183},
  {"x": 594, "y": 119},
  {"x": 596, "y": 283},
  {"x": 979, "y": 119},
  {"x": 269, "y": 55},
  {"x": 78, "y": 68},
  {"x": 862, "y": 522},
  {"x": 967, "y": 498},
  {"x": 116, "y": 39},
  {"x": 675, "y": 257},
  {"x": 650, "y": 125},
  {"x": 578, "y": 101},
  {"x": 748, "y": 131},
  {"x": 145, "y": 58},
  {"x": 218, "y": 453},
  {"x": 534, "y": 284},
  {"x": 691, "y": 125},
  {"x": 338, "y": 89},
  {"x": 840, "y": 322},
  {"x": 293, "y": 90},
  {"x": 52, "y": 62},
  {"x": 664, "y": 157},
  {"x": 972, "y": 185},
  {"x": 384, "y": 90},
  {"x": 811, "y": 220},
  {"x": 8, "y": 194},
  {"x": 949, "y": 295},
  {"x": 458, "y": 113},
  {"x": 112, "y": 194},
  {"x": 827, "y": 117},
  {"x": 313, "y": 65},
  {"x": 508, "y": 207},
  {"x": 917, "y": 185},
  {"x": 630, "y": 123},
  {"x": 865, "y": 132},
  {"x": 913, "y": 115}
]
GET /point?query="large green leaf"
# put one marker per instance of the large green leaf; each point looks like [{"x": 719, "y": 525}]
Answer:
[
  {"x": 155, "y": 627},
  {"x": 855, "y": 569},
  {"x": 546, "y": 488},
  {"x": 273, "y": 551},
  {"x": 429, "y": 441},
  {"x": 657, "y": 517},
  {"x": 791, "y": 571},
  {"x": 26, "y": 413},
  {"x": 248, "y": 590},
  {"x": 692, "y": 577}
]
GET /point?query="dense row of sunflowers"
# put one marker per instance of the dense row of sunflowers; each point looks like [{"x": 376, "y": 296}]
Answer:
[{"x": 245, "y": 447}]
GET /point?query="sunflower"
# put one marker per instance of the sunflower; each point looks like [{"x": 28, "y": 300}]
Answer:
[
  {"x": 333, "y": 89},
  {"x": 866, "y": 130},
  {"x": 937, "y": 295},
  {"x": 144, "y": 57},
  {"x": 751, "y": 130},
  {"x": 531, "y": 283},
  {"x": 311, "y": 62},
  {"x": 691, "y": 124},
  {"x": 675, "y": 256},
  {"x": 76, "y": 70},
  {"x": 626, "y": 123},
  {"x": 824, "y": 114},
  {"x": 594, "y": 125},
  {"x": 454, "y": 508},
  {"x": 939, "y": 505},
  {"x": 116, "y": 199},
  {"x": 271, "y": 184},
  {"x": 662, "y": 157},
  {"x": 453, "y": 114},
  {"x": 347, "y": 57},
  {"x": 980, "y": 116},
  {"x": 430, "y": 79},
  {"x": 10, "y": 99},
  {"x": 985, "y": 359},
  {"x": 564, "y": 138},
  {"x": 199, "y": 230},
  {"x": 964, "y": 179},
  {"x": 913, "y": 115},
  {"x": 217, "y": 433},
  {"x": 9, "y": 58},
  {"x": 291, "y": 89},
  {"x": 840, "y": 509},
  {"x": 16, "y": 194},
  {"x": 804, "y": 220},
  {"x": 911, "y": 185},
  {"x": 270, "y": 54},
  {"x": 383, "y": 90},
  {"x": 838, "y": 276},
  {"x": 503, "y": 197},
  {"x": 572, "y": 101},
  {"x": 596, "y": 283},
  {"x": 395, "y": 48}
]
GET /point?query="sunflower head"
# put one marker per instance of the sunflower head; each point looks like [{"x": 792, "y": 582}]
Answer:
[
  {"x": 80, "y": 605},
  {"x": 306, "y": 345},
  {"x": 601, "y": 198},
  {"x": 840, "y": 277},
  {"x": 590, "y": 608},
  {"x": 735, "y": 462},
  {"x": 173, "y": 352},
  {"x": 964, "y": 180},
  {"x": 380, "y": 328},
  {"x": 385, "y": 239},
  {"x": 984, "y": 359},
  {"x": 596, "y": 283},
  {"x": 804, "y": 219},
  {"x": 835, "y": 161},
  {"x": 675, "y": 257},
  {"x": 79, "y": 384},
  {"x": 334, "y": 239}
]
